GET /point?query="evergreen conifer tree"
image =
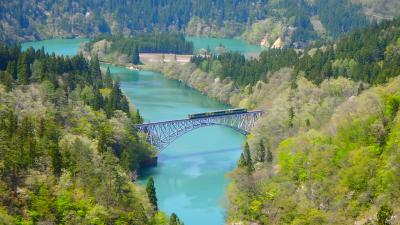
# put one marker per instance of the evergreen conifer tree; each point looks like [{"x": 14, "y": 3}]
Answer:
[
  {"x": 23, "y": 70},
  {"x": 56, "y": 159},
  {"x": 242, "y": 161},
  {"x": 108, "y": 79},
  {"x": 95, "y": 72},
  {"x": 12, "y": 69},
  {"x": 151, "y": 193},
  {"x": 174, "y": 220},
  {"x": 261, "y": 152},
  {"x": 269, "y": 157},
  {"x": 247, "y": 157},
  {"x": 115, "y": 96},
  {"x": 135, "y": 55}
]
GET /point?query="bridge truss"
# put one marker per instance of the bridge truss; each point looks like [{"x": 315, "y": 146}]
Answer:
[{"x": 161, "y": 134}]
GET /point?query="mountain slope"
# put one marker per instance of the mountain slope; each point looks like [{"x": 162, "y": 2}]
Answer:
[
  {"x": 295, "y": 20},
  {"x": 69, "y": 149}
]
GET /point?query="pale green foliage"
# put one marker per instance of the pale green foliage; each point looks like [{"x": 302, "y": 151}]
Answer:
[
  {"x": 312, "y": 106},
  {"x": 338, "y": 172},
  {"x": 270, "y": 29},
  {"x": 201, "y": 27},
  {"x": 5, "y": 218},
  {"x": 159, "y": 218},
  {"x": 92, "y": 187}
]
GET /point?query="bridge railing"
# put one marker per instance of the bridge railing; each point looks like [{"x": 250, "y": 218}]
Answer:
[
  {"x": 182, "y": 120},
  {"x": 161, "y": 134}
]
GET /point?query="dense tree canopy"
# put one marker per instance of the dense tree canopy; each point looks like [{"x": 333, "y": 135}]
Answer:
[
  {"x": 173, "y": 43},
  {"x": 69, "y": 149},
  {"x": 31, "y": 19},
  {"x": 369, "y": 55}
]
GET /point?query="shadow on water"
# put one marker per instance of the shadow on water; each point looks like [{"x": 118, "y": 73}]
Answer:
[
  {"x": 182, "y": 156},
  {"x": 163, "y": 158}
]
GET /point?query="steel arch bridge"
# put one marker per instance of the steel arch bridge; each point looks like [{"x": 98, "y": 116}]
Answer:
[{"x": 161, "y": 134}]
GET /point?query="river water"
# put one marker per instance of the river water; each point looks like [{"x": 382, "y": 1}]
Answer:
[{"x": 190, "y": 178}]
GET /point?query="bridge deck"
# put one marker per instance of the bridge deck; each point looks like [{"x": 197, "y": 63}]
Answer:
[
  {"x": 181, "y": 120},
  {"x": 161, "y": 134}
]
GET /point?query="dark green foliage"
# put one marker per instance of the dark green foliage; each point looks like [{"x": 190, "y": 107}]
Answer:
[
  {"x": 23, "y": 71},
  {"x": 108, "y": 82},
  {"x": 370, "y": 55},
  {"x": 49, "y": 140},
  {"x": 269, "y": 157},
  {"x": 6, "y": 79},
  {"x": 384, "y": 215},
  {"x": 174, "y": 220},
  {"x": 12, "y": 69},
  {"x": 137, "y": 118},
  {"x": 103, "y": 140},
  {"x": 392, "y": 107},
  {"x": 291, "y": 116},
  {"x": 340, "y": 16},
  {"x": 242, "y": 161},
  {"x": 242, "y": 71},
  {"x": 135, "y": 55},
  {"x": 128, "y": 16},
  {"x": 95, "y": 73},
  {"x": 116, "y": 100},
  {"x": 173, "y": 43},
  {"x": 56, "y": 160},
  {"x": 77, "y": 71},
  {"x": 245, "y": 160},
  {"x": 247, "y": 155},
  {"x": 230, "y": 18},
  {"x": 261, "y": 152},
  {"x": 151, "y": 193},
  {"x": 299, "y": 11}
]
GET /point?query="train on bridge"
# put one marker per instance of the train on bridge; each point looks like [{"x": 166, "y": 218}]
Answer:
[{"x": 217, "y": 113}]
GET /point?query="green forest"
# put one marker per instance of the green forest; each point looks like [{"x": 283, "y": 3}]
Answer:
[
  {"x": 327, "y": 149},
  {"x": 70, "y": 151},
  {"x": 324, "y": 167},
  {"x": 369, "y": 55},
  {"x": 25, "y": 20},
  {"x": 166, "y": 43}
]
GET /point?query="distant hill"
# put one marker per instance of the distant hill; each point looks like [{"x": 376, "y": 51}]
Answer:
[
  {"x": 380, "y": 9},
  {"x": 296, "y": 22}
]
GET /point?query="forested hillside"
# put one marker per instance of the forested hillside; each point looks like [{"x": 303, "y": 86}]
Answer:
[
  {"x": 322, "y": 155},
  {"x": 295, "y": 22},
  {"x": 117, "y": 48},
  {"x": 370, "y": 55},
  {"x": 327, "y": 149},
  {"x": 69, "y": 149}
]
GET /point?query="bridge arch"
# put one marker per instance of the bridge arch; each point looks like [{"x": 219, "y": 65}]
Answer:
[{"x": 161, "y": 134}]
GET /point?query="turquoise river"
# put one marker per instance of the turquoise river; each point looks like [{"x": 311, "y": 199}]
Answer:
[{"x": 191, "y": 174}]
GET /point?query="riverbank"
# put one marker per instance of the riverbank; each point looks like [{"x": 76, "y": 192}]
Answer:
[
  {"x": 290, "y": 112},
  {"x": 145, "y": 58},
  {"x": 224, "y": 90},
  {"x": 190, "y": 176},
  {"x": 300, "y": 121}
]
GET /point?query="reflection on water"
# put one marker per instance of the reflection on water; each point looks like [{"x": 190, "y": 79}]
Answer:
[{"x": 203, "y": 153}]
